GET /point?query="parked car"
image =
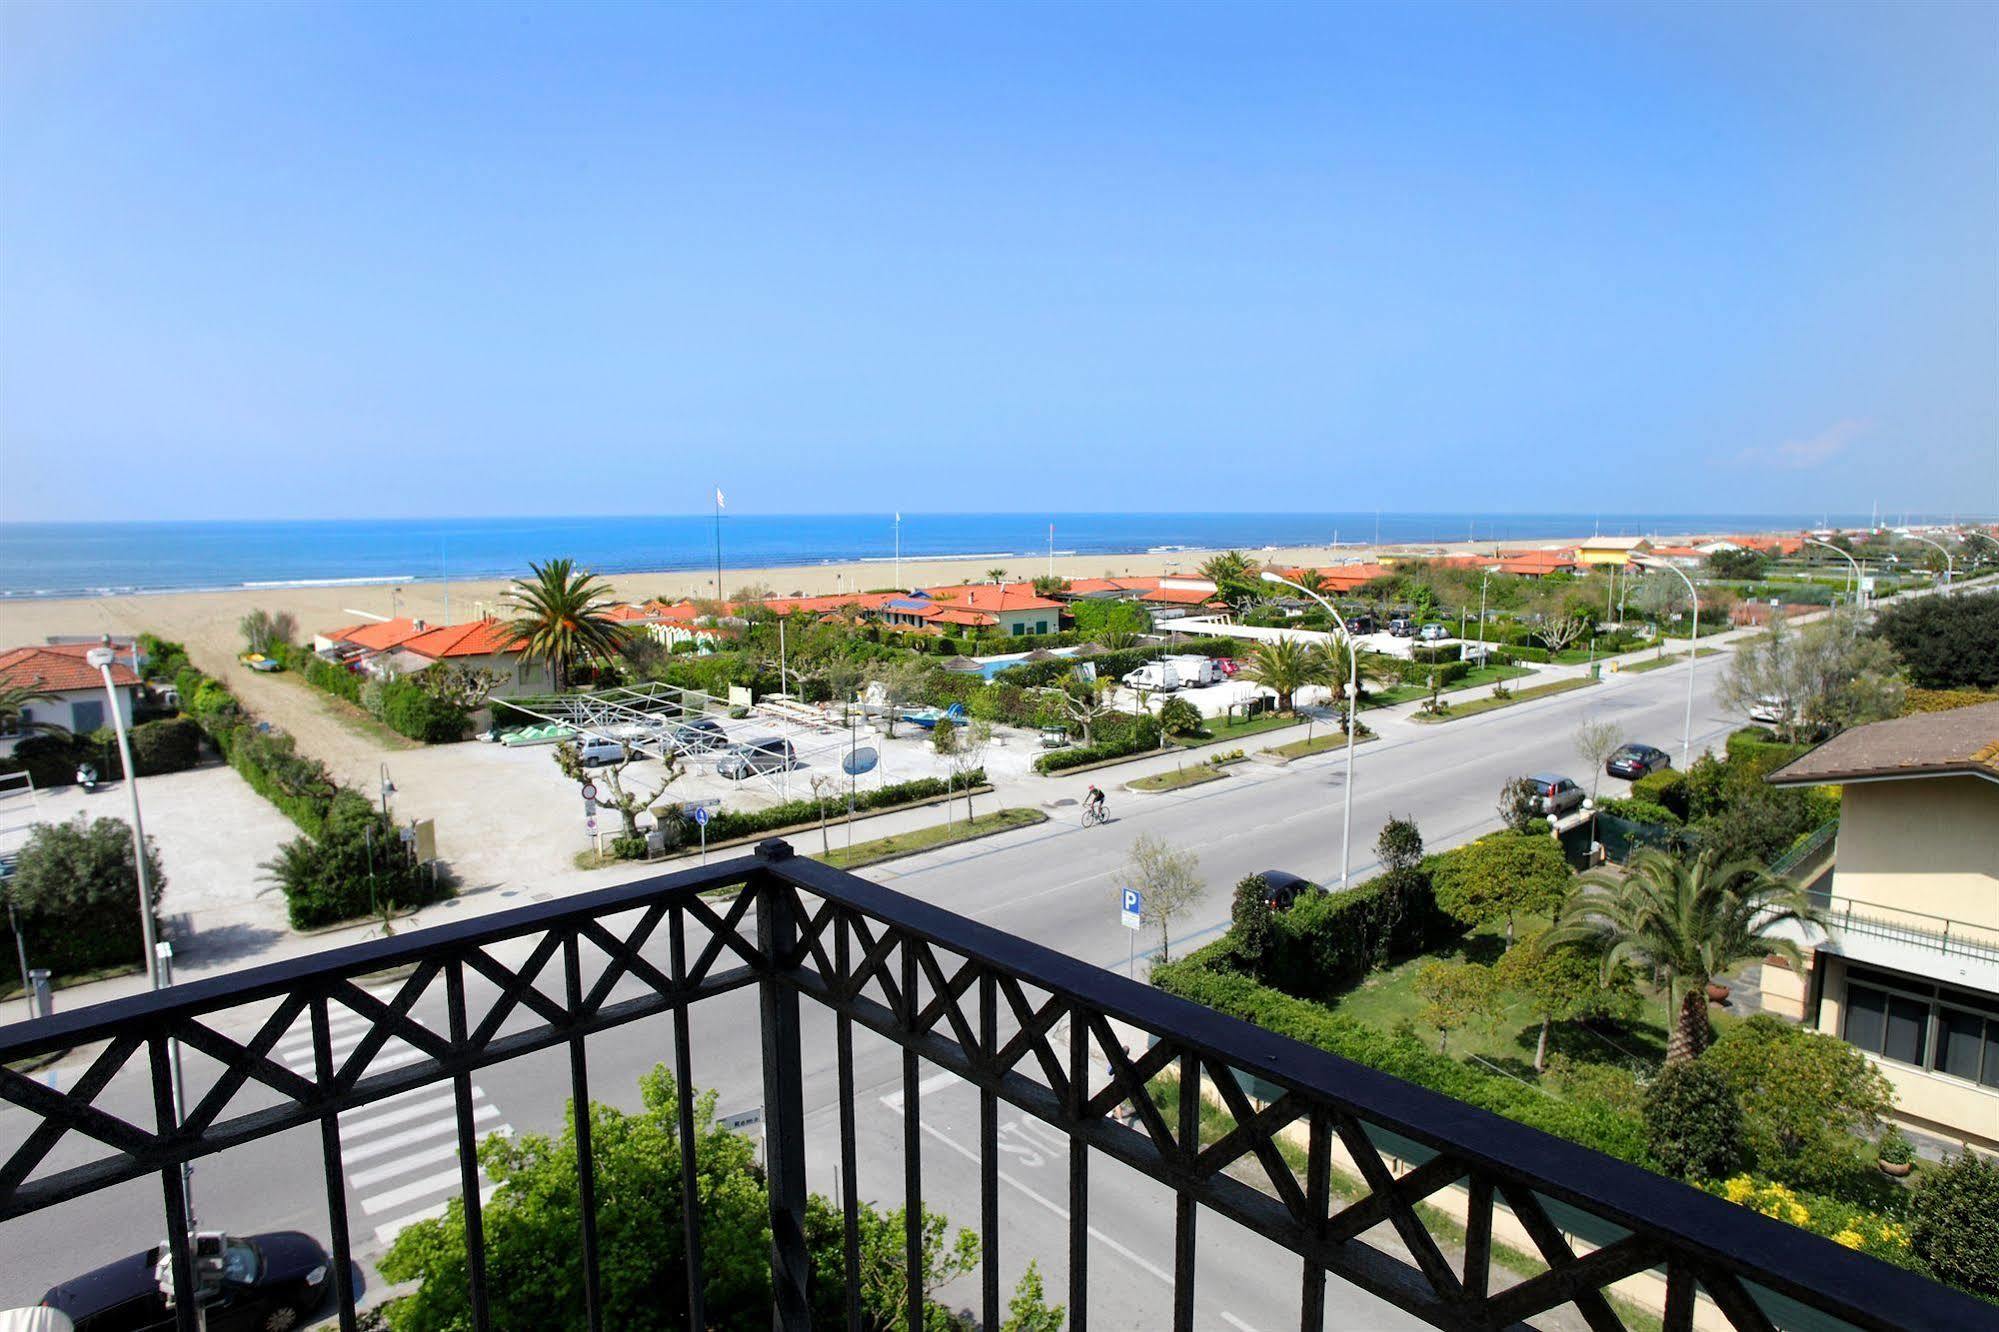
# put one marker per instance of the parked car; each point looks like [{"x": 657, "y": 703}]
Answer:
[
  {"x": 275, "y": 1280},
  {"x": 1635, "y": 761},
  {"x": 1559, "y": 795},
  {"x": 756, "y": 756},
  {"x": 1771, "y": 709},
  {"x": 1402, "y": 627},
  {"x": 1434, "y": 632},
  {"x": 594, "y": 751},
  {"x": 1360, "y": 624},
  {"x": 1283, "y": 888},
  {"x": 700, "y": 735}
]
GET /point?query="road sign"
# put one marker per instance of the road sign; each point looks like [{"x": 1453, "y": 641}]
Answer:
[
  {"x": 589, "y": 808},
  {"x": 591, "y": 824},
  {"x": 701, "y": 816},
  {"x": 859, "y": 760},
  {"x": 1132, "y": 909},
  {"x": 589, "y": 791},
  {"x": 736, "y": 1123}
]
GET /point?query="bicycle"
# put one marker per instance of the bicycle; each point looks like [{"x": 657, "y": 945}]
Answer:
[{"x": 1093, "y": 814}]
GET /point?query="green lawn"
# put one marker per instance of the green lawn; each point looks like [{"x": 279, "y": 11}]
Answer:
[
  {"x": 1387, "y": 999},
  {"x": 1218, "y": 731},
  {"x": 929, "y": 838},
  {"x": 1478, "y": 705},
  {"x": 1178, "y": 778},
  {"x": 1659, "y": 663},
  {"x": 1484, "y": 675},
  {"x": 1319, "y": 744}
]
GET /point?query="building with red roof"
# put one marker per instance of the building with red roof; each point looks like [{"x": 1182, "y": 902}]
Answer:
[{"x": 73, "y": 689}]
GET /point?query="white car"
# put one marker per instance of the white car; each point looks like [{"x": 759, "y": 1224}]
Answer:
[
  {"x": 592, "y": 752},
  {"x": 1771, "y": 709}
]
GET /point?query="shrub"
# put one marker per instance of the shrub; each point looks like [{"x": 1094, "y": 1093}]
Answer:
[
  {"x": 1804, "y": 1096},
  {"x": 727, "y": 823},
  {"x": 1520, "y": 806},
  {"x": 1666, "y": 788},
  {"x": 408, "y": 709},
  {"x": 1757, "y": 748},
  {"x": 354, "y": 867},
  {"x": 1638, "y": 811},
  {"x": 51, "y": 759},
  {"x": 1947, "y": 642},
  {"x": 1843, "y": 1223},
  {"x": 1116, "y": 736},
  {"x": 74, "y": 889},
  {"x": 322, "y": 674},
  {"x": 628, "y": 848},
  {"x": 1499, "y": 877},
  {"x": 1693, "y": 1122},
  {"x": 171, "y": 744},
  {"x": 1944, "y": 700},
  {"x": 1326, "y": 941},
  {"x": 1447, "y": 673},
  {"x": 1177, "y": 716},
  {"x": 1514, "y": 656},
  {"x": 1954, "y": 1223}
]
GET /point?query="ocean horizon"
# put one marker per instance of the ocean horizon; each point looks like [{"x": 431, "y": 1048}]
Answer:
[{"x": 70, "y": 559}]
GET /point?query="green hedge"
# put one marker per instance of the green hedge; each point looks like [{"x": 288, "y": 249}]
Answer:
[
  {"x": 1327, "y": 941},
  {"x": 1206, "y": 977},
  {"x": 322, "y": 674},
  {"x": 408, "y": 709},
  {"x": 1639, "y": 811},
  {"x": 1115, "y": 736},
  {"x": 1758, "y": 747},
  {"x": 1448, "y": 673},
  {"x": 73, "y": 890},
  {"x": 51, "y": 759},
  {"x": 726, "y": 823},
  {"x": 1514, "y": 656},
  {"x": 355, "y": 866},
  {"x": 171, "y": 744},
  {"x": 1666, "y": 788}
]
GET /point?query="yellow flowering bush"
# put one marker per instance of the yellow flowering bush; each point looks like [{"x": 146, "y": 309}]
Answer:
[{"x": 1839, "y": 1222}]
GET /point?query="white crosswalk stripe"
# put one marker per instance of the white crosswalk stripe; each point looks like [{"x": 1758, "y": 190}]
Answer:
[{"x": 406, "y": 1145}]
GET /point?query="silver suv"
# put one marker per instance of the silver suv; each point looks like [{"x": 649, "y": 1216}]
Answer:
[{"x": 1558, "y": 795}]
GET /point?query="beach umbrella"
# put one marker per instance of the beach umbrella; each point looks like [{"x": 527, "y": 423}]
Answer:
[
  {"x": 1087, "y": 650},
  {"x": 961, "y": 664},
  {"x": 1039, "y": 654}
]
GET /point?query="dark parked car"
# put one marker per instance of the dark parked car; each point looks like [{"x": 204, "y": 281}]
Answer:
[
  {"x": 700, "y": 734},
  {"x": 1635, "y": 761},
  {"x": 1559, "y": 795},
  {"x": 755, "y": 756},
  {"x": 261, "y": 1283},
  {"x": 1360, "y": 624},
  {"x": 1283, "y": 888},
  {"x": 1402, "y": 627}
]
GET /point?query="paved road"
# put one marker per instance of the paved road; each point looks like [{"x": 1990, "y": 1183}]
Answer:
[{"x": 1054, "y": 883}]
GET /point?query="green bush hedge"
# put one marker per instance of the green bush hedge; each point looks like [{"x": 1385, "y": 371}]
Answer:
[
  {"x": 73, "y": 890},
  {"x": 171, "y": 744},
  {"x": 1448, "y": 673},
  {"x": 1329, "y": 940},
  {"x": 355, "y": 866},
  {"x": 1115, "y": 736},
  {"x": 1666, "y": 788},
  {"x": 1638, "y": 811},
  {"x": 727, "y": 823},
  {"x": 51, "y": 759},
  {"x": 1758, "y": 747},
  {"x": 1205, "y": 977},
  {"x": 407, "y": 708},
  {"x": 1514, "y": 656}
]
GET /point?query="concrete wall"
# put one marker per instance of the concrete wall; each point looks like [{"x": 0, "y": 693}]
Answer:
[{"x": 1929, "y": 845}]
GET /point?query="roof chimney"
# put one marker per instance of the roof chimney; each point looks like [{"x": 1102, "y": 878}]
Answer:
[{"x": 417, "y": 625}]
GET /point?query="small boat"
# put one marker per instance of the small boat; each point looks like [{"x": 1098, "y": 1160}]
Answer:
[{"x": 257, "y": 661}]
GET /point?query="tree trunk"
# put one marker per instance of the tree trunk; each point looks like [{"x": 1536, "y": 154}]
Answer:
[
  {"x": 1443, "y": 1040},
  {"x": 1690, "y": 1031},
  {"x": 1541, "y": 1049}
]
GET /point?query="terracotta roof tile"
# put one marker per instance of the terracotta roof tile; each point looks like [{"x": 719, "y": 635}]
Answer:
[
  {"x": 475, "y": 638},
  {"x": 59, "y": 667}
]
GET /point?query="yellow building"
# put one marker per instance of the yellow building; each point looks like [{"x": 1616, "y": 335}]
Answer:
[
  {"x": 1601, "y": 552},
  {"x": 1908, "y": 968}
]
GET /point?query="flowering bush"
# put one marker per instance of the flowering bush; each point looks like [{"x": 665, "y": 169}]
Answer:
[{"x": 1839, "y": 1222}]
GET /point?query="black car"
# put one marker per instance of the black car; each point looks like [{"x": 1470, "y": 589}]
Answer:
[
  {"x": 1282, "y": 888},
  {"x": 261, "y": 1283},
  {"x": 1360, "y": 624},
  {"x": 1635, "y": 761}
]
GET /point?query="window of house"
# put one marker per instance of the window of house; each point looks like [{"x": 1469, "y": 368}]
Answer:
[
  {"x": 1913, "y": 1021},
  {"x": 1019, "y": 629},
  {"x": 86, "y": 716}
]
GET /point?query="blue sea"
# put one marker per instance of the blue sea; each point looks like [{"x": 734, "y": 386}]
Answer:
[{"x": 100, "y": 559}]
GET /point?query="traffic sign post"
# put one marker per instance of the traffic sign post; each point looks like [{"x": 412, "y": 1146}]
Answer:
[
  {"x": 701, "y": 822},
  {"x": 1131, "y": 914}
]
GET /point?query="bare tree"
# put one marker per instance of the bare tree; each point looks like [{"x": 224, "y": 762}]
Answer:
[
  {"x": 629, "y": 804},
  {"x": 969, "y": 755},
  {"x": 1084, "y": 701},
  {"x": 1561, "y": 631},
  {"x": 1596, "y": 741},
  {"x": 1169, "y": 882},
  {"x": 821, "y": 782}
]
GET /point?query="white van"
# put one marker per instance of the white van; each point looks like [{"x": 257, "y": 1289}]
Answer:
[
  {"x": 593, "y": 751},
  {"x": 1157, "y": 676},
  {"x": 1195, "y": 671}
]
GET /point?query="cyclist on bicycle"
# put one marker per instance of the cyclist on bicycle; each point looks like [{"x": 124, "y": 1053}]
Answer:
[{"x": 1093, "y": 803}]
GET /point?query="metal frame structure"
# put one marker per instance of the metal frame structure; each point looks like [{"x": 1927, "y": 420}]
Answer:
[
  {"x": 642, "y": 717},
  {"x": 1025, "y": 1025}
]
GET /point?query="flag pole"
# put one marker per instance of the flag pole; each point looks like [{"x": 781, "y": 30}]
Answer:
[
  {"x": 718, "y": 543},
  {"x": 898, "y": 551}
]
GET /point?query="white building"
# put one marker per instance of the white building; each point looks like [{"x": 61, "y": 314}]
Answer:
[{"x": 73, "y": 690}]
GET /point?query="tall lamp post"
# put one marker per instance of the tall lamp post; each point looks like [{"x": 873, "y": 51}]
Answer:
[
  {"x": 1693, "y": 647},
  {"x": 102, "y": 658},
  {"x": 1949, "y": 564},
  {"x": 1859, "y": 583},
  {"x": 1353, "y": 713}
]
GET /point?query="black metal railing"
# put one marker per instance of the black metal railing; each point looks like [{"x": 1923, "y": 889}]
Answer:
[{"x": 1027, "y": 1026}]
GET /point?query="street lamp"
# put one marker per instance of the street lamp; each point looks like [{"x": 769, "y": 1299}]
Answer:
[
  {"x": 1949, "y": 565},
  {"x": 1859, "y": 583},
  {"x": 101, "y": 658},
  {"x": 1353, "y": 713},
  {"x": 1693, "y": 646}
]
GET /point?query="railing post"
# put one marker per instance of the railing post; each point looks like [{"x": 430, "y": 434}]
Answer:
[{"x": 784, "y": 1099}]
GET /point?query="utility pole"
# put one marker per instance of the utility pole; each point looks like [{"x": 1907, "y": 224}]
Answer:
[
  {"x": 898, "y": 552},
  {"x": 718, "y": 543}
]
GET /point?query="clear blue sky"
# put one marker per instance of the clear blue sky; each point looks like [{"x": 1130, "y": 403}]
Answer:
[{"x": 388, "y": 259}]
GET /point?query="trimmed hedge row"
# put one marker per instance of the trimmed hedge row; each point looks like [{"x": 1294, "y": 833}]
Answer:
[
  {"x": 1448, "y": 673},
  {"x": 322, "y": 674},
  {"x": 1638, "y": 811},
  {"x": 724, "y": 824},
  {"x": 1206, "y": 977},
  {"x": 1115, "y": 736},
  {"x": 1666, "y": 788},
  {"x": 1327, "y": 941},
  {"x": 1758, "y": 747},
  {"x": 399, "y": 703}
]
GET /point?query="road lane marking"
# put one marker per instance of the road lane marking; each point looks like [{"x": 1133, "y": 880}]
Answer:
[
  {"x": 397, "y": 1141},
  {"x": 355, "y": 1123},
  {"x": 930, "y": 1084},
  {"x": 429, "y": 1184},
  {"x": 388, "y": 1230},
  {"x": 1235, "y": 1322}
]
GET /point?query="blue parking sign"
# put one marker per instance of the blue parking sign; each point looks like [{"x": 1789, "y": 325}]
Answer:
[{"x": 1131, "y": 909}]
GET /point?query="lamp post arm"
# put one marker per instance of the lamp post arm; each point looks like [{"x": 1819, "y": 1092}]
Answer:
[{"x": 1353, "y": 714}]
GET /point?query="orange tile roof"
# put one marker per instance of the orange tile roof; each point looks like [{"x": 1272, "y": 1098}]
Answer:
[
  {"x": 377, "y": 635},
  {"x": 475, "y": 638},
  {"x": 994, "y": 597},
  {"x": 59, "y": 666},
  {"x": 1178, "y": 596}
]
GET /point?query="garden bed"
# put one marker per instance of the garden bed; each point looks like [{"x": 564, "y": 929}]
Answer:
[
  {"x": 1407, "y": 693},
  {"x": 910, "y": 843},
  {"x": 1661, "y": 662},
  {"x": 1179, "y": 778},
  {"x": 1318, "y": 744},
  {"x": 1478, "y": 705}
]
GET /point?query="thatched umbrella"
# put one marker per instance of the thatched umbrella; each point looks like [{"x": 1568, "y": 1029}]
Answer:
[
  {"x": 962, "y": 664},
  {"x": 1087, "y": 650},
  {"x": 1039, "y": 654}
]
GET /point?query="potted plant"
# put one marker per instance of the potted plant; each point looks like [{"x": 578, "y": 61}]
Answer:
[{"x": 1895, "y": 1155}]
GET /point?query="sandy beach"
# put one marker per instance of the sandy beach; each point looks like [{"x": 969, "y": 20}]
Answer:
[{"x": 207, "y": 621}]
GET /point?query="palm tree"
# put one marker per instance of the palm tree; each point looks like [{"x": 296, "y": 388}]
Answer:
[
  {"x": 14, "y": 701},
  {"x": 997, "y": 575},
  {"x": 1235, "y": 579},
  {"x": 1684, "y": 922},
  {"x": 561, "y": 612},
  {"x": 1288, "y": 665},
  {"x": 1340, "y": 668}
]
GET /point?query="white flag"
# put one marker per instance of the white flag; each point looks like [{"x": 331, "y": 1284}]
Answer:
[
  {"x": 898, "y": 517},
  {"x": 718, "y": 498}
]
